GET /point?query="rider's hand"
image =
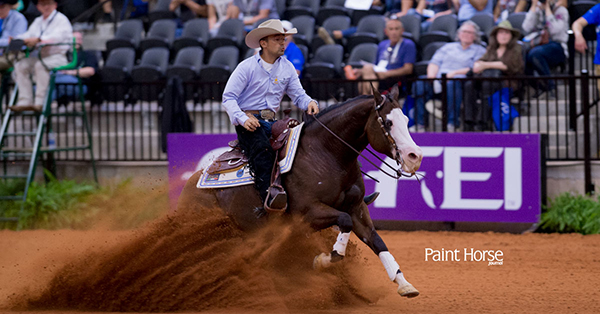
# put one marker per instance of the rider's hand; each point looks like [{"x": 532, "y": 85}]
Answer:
[
  {"x": 251, "y": 124},
  {"x": 313, "y": 108}
]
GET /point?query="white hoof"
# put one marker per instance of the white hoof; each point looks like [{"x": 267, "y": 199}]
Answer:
[
  {"x": 322, "y": 261},
  {"x": 408, "y": 291}
]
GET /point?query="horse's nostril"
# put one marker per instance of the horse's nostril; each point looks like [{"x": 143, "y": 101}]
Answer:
[{"x": 412, "y": 156}]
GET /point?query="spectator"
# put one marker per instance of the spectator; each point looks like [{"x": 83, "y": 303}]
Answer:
[
  {"x": 189, "y": 9},
  {"x": 590, "y": 17},
  {"x": 218, "y": 11},
  {"x": 504, "y": 8},
  {"x": 502, "y": 58},
  {"x": 12, "y": 24},
  {"x": 455, "y": 59},
  {"x": 551, "y": 17},
  {"x": 292, "y": 52},
  {"x": 338, "y": 34},
  {"x": 51, "y": 27},
  {"x": 468, "y": 8},
  {"x": 87, "y": 66},
  {"x": 395, "y": 59},
  {"x": 252, "y": 11}
]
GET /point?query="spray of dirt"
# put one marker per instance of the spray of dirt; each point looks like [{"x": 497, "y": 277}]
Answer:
[{"x": 194, "y": 262}]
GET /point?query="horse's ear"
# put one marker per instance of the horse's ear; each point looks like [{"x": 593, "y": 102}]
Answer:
[
  {"x": 394, "y": 92},
  {"x": 377, "y": 95}
]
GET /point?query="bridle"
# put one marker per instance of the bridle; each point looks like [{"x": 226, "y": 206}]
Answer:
[{"x": 398, "y": 173}]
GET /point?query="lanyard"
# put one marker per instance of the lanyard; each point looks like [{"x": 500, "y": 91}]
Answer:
[
  {"x": 394, "y": 53},
  {"x": 48, "y": 25}
]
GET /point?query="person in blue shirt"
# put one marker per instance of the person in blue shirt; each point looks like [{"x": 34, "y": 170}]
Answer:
[
  {"x": 395, "y": 59},
  {"x": 592, "y": 16},
  {"x": 252, "y": 97},
  {"x": 292, "y": 51},
  {"x": 12, "y": 24}
]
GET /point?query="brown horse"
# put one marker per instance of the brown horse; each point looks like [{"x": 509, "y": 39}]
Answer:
[{"x": 325, "y": 186}]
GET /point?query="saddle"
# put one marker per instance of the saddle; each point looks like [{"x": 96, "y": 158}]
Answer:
[{"x": 235, "y": 159}]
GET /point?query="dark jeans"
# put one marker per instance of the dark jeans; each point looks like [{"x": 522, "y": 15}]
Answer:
[
  {"x": 260, "y": 155},
  {"x": 542, "y": 58},
  {"x": 478, "y": 116},
  {"x": 423, "y": 91}
]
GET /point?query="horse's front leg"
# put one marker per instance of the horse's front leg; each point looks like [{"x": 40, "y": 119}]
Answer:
[
  {"x": 322, "y": 217},
  {"x": 364, "y": 230}
]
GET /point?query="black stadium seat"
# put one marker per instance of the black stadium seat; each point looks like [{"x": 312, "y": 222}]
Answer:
[
  {"x": 116, "y": 73},
  {"x": 231, "y": 33},
  {"x": 152, "y": 68},
  {"x": 302, "y": 7},
  {"x": 195, "y": 34},
  {"x": 369, "y": 30},
  {"x": 129, "y": 34},
  {"x": 306, "y": 29},
  {"x": 161, "y": 34},
  {"x": 366, "y": 52}
]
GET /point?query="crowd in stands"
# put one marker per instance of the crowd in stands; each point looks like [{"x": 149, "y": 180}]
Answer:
[{"x": 394, "y": 39}]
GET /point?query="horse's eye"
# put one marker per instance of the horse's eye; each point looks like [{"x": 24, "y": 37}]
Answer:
[{"x": 388, "y": 123}]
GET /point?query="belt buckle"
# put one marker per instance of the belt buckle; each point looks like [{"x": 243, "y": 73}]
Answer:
[{"x": 267, "y": 114}]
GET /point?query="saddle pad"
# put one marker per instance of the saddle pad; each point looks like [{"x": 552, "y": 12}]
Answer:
[{"x": 242, "y": 176}]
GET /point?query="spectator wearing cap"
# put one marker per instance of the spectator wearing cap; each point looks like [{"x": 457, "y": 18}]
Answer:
[
  {"x": 292, "y": 52},
  {"x": 52, "y": 27},
  {"x": 12, "y": 24}
]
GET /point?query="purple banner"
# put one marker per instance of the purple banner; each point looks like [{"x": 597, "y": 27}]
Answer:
[{"x": 468, "y": 177}]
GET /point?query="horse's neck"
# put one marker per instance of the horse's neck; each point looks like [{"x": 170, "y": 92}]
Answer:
[{"x": 348, "y": 122}]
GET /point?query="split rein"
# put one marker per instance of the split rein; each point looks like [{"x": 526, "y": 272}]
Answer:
[{"x": 398, "y": 173}]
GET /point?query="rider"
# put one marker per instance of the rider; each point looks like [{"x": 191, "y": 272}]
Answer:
[{"x": 252, "y": 97}]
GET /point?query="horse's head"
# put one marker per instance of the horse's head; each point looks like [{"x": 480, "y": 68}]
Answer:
[{"x": 387, "y": 131}]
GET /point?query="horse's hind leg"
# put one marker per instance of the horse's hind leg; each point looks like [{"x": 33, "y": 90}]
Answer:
[
  {"x": 365, "y": 231},
  {"x": 326, "y": 217}
]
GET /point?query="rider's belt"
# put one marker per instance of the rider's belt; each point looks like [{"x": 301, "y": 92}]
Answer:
[{"x": 265, "y": 113}]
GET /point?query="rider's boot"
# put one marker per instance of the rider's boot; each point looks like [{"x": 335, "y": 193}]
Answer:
[{"x": 369, "y": 199}]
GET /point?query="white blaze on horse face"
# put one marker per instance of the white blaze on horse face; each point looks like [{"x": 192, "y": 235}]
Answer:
[{"x": 411, "y": 153}]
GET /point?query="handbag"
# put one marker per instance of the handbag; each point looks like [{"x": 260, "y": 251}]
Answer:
[{"x": 503, "y": 113}]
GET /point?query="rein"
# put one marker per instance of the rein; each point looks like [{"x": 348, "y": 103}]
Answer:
[{"x": 398, "y": 173}]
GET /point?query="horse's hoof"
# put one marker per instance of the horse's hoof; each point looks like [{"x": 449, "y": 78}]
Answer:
[
  {"x": 408, "y": 291},
  {"x": 322, "y": 261}
]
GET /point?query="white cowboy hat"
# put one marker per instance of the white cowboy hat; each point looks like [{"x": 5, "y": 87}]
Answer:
[{"x": 266, "y": 28}]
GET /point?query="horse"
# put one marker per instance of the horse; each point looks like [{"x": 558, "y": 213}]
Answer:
[{"x": 325, "y": 186}]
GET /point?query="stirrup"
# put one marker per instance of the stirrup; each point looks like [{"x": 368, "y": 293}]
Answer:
[{"x": 276, "y": 200}]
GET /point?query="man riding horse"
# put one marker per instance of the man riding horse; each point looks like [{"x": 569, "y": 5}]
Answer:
[{"x": 252, "y": 97}]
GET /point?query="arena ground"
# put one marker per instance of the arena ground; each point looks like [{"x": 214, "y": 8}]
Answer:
[{"x": 205, "y": 265}]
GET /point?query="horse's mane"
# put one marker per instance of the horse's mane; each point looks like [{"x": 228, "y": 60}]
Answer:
[{"x": 335, "y": 107}]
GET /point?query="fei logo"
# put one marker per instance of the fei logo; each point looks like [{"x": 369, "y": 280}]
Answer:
[{"x": 450, "y": 193}]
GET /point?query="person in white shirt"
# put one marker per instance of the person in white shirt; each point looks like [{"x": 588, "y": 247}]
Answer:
[
  {"x": 51, "y": 27},
  {"x": 218, "y": 11}
]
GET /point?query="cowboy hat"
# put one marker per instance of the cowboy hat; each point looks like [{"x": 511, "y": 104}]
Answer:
[
  {"x": 267, "y": 28},
  {"x": 507, "y": 26}
]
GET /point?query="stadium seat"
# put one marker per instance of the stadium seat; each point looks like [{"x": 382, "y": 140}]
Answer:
[
  {"x": 194, "y": 34},
  {"x": 358, "y": 15},
  {"x": 337, "y": 22},
  {"x": 412, "y": 27},
  {"x": 281, "y": 5},
  {"x": 302, "y": 7},
  {"x": 160, "y": 12},
  {"x": 231, "y": 33},
  {"x": 222, "y": 62},
  {"x": 306, "y": 29},
  {"x": 445, "y": 23},
  {"x": 332, "y": 8},
  {"x": 369, "y": 30},
  {"x": 116, "y": 73},
  {"x": 128, "y": 34},
  {"x": 516, "y": 20},
  {"x": 326, "y": 64},
  {"x": 187, "y": 64},
  {"x": 152, "y": 68},
  {"x": 366, "y": 52},
  {"x": 161, "y": 34},
  {"x": 420, "y": 67},
  {"x": 485, "y": 21}
]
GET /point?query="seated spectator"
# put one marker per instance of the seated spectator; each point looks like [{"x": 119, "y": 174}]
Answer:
[
  {"x": 292, "y": 52},
  {"x": 591, "y": 17},
  {"x": 12, "y": 24},
  {"x": 504, "y": 8},
  {"x": 218, "y": 11},
  {"x": 428, "y": 10},
  {"x": 251, "y": 11},
  {"x": 547, "y": 51},
  {"x": 502, "y": 58},
  {"x": 87, "y": 67},
  {"x": 456, "y": 60},
  {"x": 395, "y": 59},
  {"x": 51, "y": 27},
  {"x": 189, "y": 9},
  {"x": 468, "y": 8},
  {"x": 345, "y": 33}
]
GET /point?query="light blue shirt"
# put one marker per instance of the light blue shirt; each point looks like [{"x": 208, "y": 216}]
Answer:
[
  {"x": 251, "y": 87},
  {"x": 467, "y": 10},
  {"x": 452, "y": 56},
  {"x": 13, "y": 25}
]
